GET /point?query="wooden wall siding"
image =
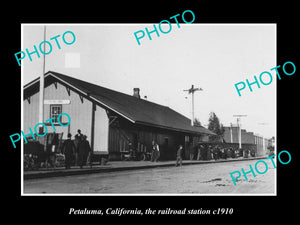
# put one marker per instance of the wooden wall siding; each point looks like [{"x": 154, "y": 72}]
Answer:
[
  {"x": 30, "y": 113},
  {"x": 80, "y": 113},
  {"x": 101, "y": 130},
  {"x": 119, "y": 139}
]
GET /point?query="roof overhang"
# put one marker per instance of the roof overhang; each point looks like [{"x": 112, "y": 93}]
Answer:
[
  {"x": 35, "y": 85},
  {"x": 176, "y": 129},
  {"x": 85, "y": 94}
]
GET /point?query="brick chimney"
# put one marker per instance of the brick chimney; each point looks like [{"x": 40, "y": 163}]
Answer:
[{"x": 136, "y": 93}]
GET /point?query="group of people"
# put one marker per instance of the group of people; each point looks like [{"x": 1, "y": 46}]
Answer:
[
  {"x": 217, "y": 152},
  {"x": 200, "y": 152},
  {"x": 79, "y": 150}
]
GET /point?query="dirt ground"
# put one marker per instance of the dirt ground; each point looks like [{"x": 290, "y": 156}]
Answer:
[{"x": 190, "y": 179}]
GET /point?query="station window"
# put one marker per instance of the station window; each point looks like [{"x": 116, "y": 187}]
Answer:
[
  {"x": 55, "y": 110},
  {"x": 186, "y": 138}
]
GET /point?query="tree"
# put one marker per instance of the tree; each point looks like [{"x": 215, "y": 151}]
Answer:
[
  {"x": 197, "y": 122},
  {"x": 215, "y": 126}
]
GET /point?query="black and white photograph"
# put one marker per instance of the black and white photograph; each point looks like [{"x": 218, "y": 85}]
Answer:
[
  {"x": 143, "y": 109},
  {"x": 151, "y": 114}
]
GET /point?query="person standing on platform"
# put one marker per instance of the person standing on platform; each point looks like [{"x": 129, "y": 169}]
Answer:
[
  {"x": 84, "y": 150},
  {"x": 155, "y": 152},
  {"x": 79, "y": 135},
  {"x": 78, "y": 140},
  {"x": 68, "y": 149},
  {"x": 179, "y": 156}
]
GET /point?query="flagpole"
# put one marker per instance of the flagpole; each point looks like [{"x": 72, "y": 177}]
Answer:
[{"x": 41, "y": 97}]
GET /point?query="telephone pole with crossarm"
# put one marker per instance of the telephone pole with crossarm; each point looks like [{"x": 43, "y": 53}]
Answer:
[{"x": 192, "y": 90}]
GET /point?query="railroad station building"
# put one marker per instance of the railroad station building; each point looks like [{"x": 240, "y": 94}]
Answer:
[
  {"x": 231, "y": 135},
  {"x": 110, "y": 119}
]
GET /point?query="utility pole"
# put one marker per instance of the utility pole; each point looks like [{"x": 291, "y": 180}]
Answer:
[
  {"x": 41, "y": 97},
  {"x": 263, "y": 140},
  {"x": 240, "y": 130},
  {"x": 231, "y": 140},
  {"x": 192, "y": 90}
]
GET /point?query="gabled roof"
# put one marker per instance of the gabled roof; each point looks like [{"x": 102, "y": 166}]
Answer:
[{"x": 136, "y": 110}]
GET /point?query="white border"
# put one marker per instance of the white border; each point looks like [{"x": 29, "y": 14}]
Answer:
[
  {"x": 22, "y": 97},
  {"x": 146, "y": 194}
]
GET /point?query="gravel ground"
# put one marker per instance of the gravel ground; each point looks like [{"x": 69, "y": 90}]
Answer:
[{"x": 189, "y": 179}]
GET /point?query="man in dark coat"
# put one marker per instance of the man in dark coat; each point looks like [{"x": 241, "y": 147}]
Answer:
[
  {"x": 78, "y": 139},
  {"x": 84, "y": 150},
  {"x": 68, "y": 149},
  {"x": 179, "y": 156},
  {"x": 79, "y": 136}
]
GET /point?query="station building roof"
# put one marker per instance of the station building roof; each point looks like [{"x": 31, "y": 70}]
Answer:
[{"x": 136, "y": 110}]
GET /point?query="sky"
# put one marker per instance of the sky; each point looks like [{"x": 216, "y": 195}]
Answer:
[{"x": 213, "y": 57}]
